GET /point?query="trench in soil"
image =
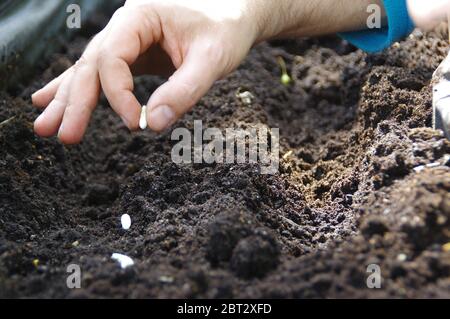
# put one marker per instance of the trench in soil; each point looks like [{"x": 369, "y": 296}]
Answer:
[{"x": 353, "y": 127}]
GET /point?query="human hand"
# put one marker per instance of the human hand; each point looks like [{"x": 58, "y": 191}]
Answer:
[
  {"x": 427, "y": 14},
  {"x": 202, "y": 40}
]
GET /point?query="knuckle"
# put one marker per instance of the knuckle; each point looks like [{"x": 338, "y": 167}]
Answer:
[
  {"x": 218, "y": 54},
  {"x": 215, "y": 51},
  {"x": 82, "y": 62}
]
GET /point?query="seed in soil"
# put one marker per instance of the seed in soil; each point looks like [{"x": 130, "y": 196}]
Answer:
[
  {"x": 126, "y": 221},
  {"x": 245, "y": 97},
  {"x": 123, "y": 260},
  {"x": 288, "y": 154},
  {"x": 166, "y": 279}
]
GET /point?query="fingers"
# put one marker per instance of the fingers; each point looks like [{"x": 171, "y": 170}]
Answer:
[
  {"x": 82, "y": 99},
  {"x": 44, "y": 96},
  {"x": 81, "y": 102},
  {"x": 117, "y": 83},
  {"x": 72, "y": 99},
  {"x": 114, "y": 60},
  {"x": 48, "y": 123},
  {"x": 183, "y": 90},
  {"x": 58, "y": 94}
]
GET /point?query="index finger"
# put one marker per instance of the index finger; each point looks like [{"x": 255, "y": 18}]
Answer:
[{"x": 115, "y": 58}]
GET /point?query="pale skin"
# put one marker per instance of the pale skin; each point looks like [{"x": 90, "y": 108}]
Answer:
[
  {"x": 193, "y": 42},
  {"x": 428, "y": 14}
]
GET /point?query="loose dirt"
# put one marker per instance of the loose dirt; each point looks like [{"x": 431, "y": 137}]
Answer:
[{"x": 354, "y": 191}]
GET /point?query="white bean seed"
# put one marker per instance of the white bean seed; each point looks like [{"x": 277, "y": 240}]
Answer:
[
  {"x": 143, "y": 119},
  {"x": 123, "y": 260},
  {"x": 126, "y": 221}
]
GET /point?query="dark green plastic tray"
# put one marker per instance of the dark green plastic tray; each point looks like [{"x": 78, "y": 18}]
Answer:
[{"x": 30, "y": 29}]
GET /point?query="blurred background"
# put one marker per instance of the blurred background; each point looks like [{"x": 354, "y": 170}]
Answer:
[{"x": 32, "y": 29}]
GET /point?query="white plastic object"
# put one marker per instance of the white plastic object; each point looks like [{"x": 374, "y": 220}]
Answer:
[{"x": 441, "y": 97}]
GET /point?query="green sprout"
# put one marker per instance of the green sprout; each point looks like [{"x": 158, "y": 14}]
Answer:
[{"x": 285, "y": 78}]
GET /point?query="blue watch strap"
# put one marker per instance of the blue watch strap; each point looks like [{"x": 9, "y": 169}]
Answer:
[{"x": 399, "y": 26}]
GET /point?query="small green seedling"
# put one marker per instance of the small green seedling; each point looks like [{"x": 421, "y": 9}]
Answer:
[{"x": 285, "y": 78}]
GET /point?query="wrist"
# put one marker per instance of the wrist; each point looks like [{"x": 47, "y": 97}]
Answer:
[
  {"x": 296, "y": 18},
  {"x": 266, "y": 18}
]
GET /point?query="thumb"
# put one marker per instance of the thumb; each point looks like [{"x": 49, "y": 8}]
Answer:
[{"x": 184, "y": 89}]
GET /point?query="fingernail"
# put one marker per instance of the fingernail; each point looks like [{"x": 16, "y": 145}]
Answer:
[
  {"x": 39, "y": 118},
  {"x": 161, "y": 117},
  {"x": 36, "y": 92},
  {"x": 60, "y": 131}
]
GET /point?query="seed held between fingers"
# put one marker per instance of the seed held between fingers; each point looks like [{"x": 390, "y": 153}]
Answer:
[{"x": 143, "y": 120}]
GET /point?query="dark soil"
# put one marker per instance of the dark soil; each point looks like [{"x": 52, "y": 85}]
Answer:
[{"x": 348, "y": 195}]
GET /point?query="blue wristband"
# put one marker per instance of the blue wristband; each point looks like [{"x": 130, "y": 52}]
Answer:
[{"x": 399, "y": 26}]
